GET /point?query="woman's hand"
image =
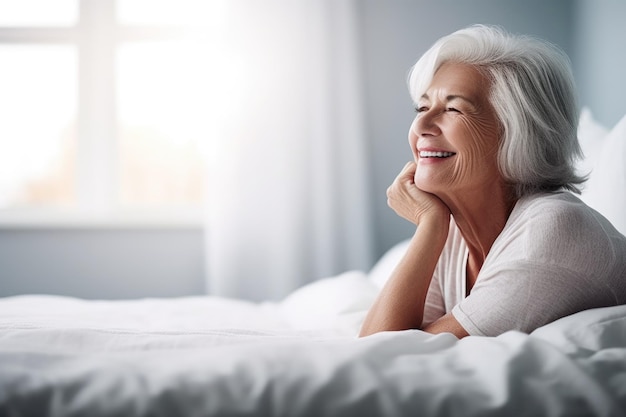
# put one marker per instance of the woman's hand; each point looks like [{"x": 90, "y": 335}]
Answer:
[{"x": 411, "y": 203}]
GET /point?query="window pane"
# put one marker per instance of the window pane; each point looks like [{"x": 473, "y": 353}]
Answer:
[
  {"x": 37, "y": 133},
  {"x": 165, "y": 12},
  {"x": 163, "y": 116},
  {"x": 38, "y": 12}
]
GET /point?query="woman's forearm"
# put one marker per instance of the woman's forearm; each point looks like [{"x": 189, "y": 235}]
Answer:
[{"x": 400, "y": 304}]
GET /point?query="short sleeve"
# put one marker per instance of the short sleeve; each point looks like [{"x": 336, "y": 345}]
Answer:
[{"x": 523, "y": 296}]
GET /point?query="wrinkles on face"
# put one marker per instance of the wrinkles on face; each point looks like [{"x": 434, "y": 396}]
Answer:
[{"x": 480, "y": 151}]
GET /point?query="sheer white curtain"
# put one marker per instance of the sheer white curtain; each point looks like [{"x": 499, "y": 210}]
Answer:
[{"x": 287, "y": 196}]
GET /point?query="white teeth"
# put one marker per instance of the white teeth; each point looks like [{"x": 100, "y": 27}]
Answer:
[{"x": 430, "y": 154}]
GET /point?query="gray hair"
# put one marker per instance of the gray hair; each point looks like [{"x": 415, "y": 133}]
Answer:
[{"x": 534, "y": 97}]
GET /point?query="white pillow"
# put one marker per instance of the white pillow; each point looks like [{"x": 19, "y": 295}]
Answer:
[
  {"x": 591, "y": 135},
  {"x": 605, "y": 190},
  {"x": 381, "y": 271},
  {"x": 587, "y": 331},
  {"x": 338, "y": 302}
]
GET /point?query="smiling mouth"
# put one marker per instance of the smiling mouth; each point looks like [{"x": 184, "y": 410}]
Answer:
[{"x": 430, "y": 154}]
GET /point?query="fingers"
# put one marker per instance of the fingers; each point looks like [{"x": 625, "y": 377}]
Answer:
[
  {"x": 406, "y": 175},
  {"x": 407, "y": 200},
  {"x": 400, "y": 186},
  {"x": 409, "y": 169},
  {"x": 408, "y": 165}
]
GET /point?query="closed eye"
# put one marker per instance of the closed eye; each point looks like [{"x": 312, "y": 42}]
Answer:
[
  {"x": 421, "y": 109},
  {"x": 452, "y": 109}
]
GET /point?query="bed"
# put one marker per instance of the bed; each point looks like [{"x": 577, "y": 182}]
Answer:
[{"x": 212, "y": 356}]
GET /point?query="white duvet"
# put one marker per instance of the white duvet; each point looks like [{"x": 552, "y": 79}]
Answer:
[{"x": 207, "y": 356}]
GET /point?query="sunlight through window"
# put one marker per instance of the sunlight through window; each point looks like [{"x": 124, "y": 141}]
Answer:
[
  {"x": 163, "y": 107},
  {"x": 37, "y": 133},
  {"x": 165, "y": 12},
  {"x": 38, "y": 12}
]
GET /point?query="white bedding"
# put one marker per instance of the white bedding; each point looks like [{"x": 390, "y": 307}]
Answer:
[{"x": 207, "y": 356}]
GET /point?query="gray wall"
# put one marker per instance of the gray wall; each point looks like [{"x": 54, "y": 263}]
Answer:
[
  {"x": 128, "y": 263},
  {"x": 102, "y": 263},
  {"x": 600, "y": 57}
]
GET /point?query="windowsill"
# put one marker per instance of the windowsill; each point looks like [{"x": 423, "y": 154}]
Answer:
[{"x": 61, "y": 219}]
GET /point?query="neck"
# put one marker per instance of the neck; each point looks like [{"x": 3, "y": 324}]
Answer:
[{"x": 481, "y": 216}]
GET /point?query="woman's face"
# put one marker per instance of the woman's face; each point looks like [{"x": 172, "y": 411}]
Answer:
[{"x": 455, "y": 135}]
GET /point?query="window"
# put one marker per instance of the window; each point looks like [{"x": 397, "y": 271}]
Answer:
[
  {"x": 106, "y": 110},
  {"x": 38, "y": 128}
]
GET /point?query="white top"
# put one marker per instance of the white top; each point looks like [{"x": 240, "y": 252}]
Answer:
[{"x": 555, "y": 256}]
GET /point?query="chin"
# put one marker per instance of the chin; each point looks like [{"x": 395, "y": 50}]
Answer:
[{"x": 427, "y": 185}]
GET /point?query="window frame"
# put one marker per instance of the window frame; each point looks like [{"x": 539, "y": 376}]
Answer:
[{"x": 96, "y": 36}]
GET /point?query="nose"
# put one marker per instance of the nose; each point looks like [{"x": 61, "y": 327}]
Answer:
[{"x": 426, "y": 123}]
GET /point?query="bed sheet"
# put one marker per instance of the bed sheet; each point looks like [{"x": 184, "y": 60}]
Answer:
[{"x": 206, "y": 356}]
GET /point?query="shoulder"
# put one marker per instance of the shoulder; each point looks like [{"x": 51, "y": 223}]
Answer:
[
  {"x": 560, "y": 216},
  {"x": 550, "y": 205},
  {"x": 558, "y": 229}
]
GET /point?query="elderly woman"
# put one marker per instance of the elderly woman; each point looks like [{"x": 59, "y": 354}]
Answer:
[{"x": 501, "y": 241}]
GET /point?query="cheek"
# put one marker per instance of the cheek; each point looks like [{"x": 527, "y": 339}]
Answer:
[{"x": 480, "y": 148}]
